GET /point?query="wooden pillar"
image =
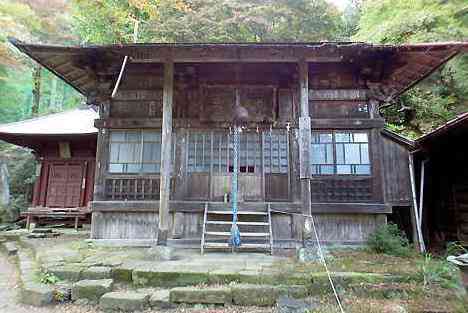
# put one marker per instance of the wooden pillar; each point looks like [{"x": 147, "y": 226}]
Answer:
[
  {"x": 305, "y": 137},
  {"x": 164, "y": 191},
  {"x": 102, "y": 155}
]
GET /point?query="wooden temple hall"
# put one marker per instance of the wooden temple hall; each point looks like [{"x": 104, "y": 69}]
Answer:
[{"x": 311, "y": 139}]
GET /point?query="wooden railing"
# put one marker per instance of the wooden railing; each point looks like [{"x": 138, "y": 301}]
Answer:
[{"x": 132, "y": 188}]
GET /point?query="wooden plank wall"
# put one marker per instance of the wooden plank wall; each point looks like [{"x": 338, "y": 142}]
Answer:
[
  {"x": 347, "y": 228},
  {"x": 397, "y": 187},
  {"x": 332, "y": 228}
]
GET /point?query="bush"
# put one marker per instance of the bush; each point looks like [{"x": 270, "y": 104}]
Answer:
[{"x": 388, "y": 239}]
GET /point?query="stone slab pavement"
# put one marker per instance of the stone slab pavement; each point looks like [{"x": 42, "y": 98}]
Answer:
[{"x": 9, "y": 289}]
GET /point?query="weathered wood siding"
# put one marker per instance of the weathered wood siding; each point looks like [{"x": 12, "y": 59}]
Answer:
[
  {"x": 396, "y": 173},
  {"x": 347, "y": 228},
  {"x": 287, "y": 229},
  {"x": 335, "y": 97}
]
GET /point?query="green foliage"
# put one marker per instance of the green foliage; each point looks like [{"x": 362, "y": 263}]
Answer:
[
  {"x": 388, "y": 239},
  {"x": 49, "y": 279},
  {"x": 444, "y": 94},
  {"x": 206, "y": 20},
  {"x": 433, "y": 271},
  {"x": 22, "y": 170},
  {"x": 455, "y": 248}
]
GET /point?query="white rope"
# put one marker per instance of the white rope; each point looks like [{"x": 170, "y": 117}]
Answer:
[{"x": 322, "y": 257}]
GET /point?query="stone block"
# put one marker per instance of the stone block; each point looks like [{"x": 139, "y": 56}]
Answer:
[
  {"x": 258, "y": 295},
  {"x": 169, "y": 276},
  {"x": 207, "y": 295},
  {"x": 224, "y": 276},
  {"x": 37, "y": 236},
  {"x": 160, "y": 253},
  {"x": 91, "y": 289},
  {"x": 160, "y": 299},
  {"x": 96, "y": 272},
  {"x": 36, "y": 294},
  {"x": 127, "y": 301},
  {"x": 11, "y": 248},
  {"x": 67, "y": 272},
  {"x": 41, "y": 231},
  {"x": 289, "y": 305},
  {"x": 292, "y": 291}
]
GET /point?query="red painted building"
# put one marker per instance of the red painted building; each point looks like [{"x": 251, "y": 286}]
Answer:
[{"x": 65, "y": 147}]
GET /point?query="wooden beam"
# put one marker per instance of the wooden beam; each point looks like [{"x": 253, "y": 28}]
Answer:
[
  {"x": 198, "y": 207},
  {"x": 164, "y": 190},
  {"x": 305, "y": 137}
]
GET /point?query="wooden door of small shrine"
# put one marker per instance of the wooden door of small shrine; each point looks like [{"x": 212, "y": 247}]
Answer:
[{"x": 65, "y": 185}]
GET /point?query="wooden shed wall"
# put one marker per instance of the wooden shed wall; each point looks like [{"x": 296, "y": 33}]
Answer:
[{"x": 397, "y": 187}]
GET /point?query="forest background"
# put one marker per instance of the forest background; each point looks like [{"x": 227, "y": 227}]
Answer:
[{"x": 28, "y": 90}]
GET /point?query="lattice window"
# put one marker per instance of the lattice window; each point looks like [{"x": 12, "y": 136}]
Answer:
[
  {"x": 352, "y": 153},
  {"x": 275, "y": 152},
  {"x": 340, "y": 153},
  {"x": 199, "y": 152},
  {"x": 250, "y": 157},
  {"x": 250, "y": 153},
  {"x": 135, "y": 151},
  {"x": 322, "y": 155},
  {"x": 221, "y": 152},
  {"x": 215, "y": 149}
]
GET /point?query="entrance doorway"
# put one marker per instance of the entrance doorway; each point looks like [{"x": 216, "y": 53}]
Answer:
[
  {"x": 263, "y": 160},
  {"x": 65, "y": 185}
]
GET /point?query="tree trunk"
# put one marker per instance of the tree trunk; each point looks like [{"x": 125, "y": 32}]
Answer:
[
  {"x": 53, "y": 95},
  {"x": 36, "y": 76}
]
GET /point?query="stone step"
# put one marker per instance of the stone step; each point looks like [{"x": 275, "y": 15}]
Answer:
[
  {"x": 126, "y": 301},
  {"x": 239, "y": 294},
  {"x": 91, "y": 290},
  {"x": 206, "y": 295}
]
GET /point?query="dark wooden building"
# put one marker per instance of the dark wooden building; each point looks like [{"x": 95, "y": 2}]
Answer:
[
  {"x": 64, "y": 145},
  {"x": 442, "y": 182},
  {"x": 311, "y": 144}
]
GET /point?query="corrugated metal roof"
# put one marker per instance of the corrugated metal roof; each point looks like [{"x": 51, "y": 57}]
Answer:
[{"x": 72, "y": 122}]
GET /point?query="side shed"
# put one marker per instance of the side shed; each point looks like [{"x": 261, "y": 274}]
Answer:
[
  {"x": 65, "y": 146},
  {"x": 443, "y": 154},
  {"x": 396, "y": 152}
]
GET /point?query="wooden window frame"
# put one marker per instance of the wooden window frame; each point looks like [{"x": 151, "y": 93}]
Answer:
[
  {"x": 334, "y": 143},
  {"x": 141, "y": 143},
  {"x": 219, "y": 145}
]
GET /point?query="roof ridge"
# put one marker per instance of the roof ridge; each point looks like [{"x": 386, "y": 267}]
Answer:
[{"x": 38, "y": 118}]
